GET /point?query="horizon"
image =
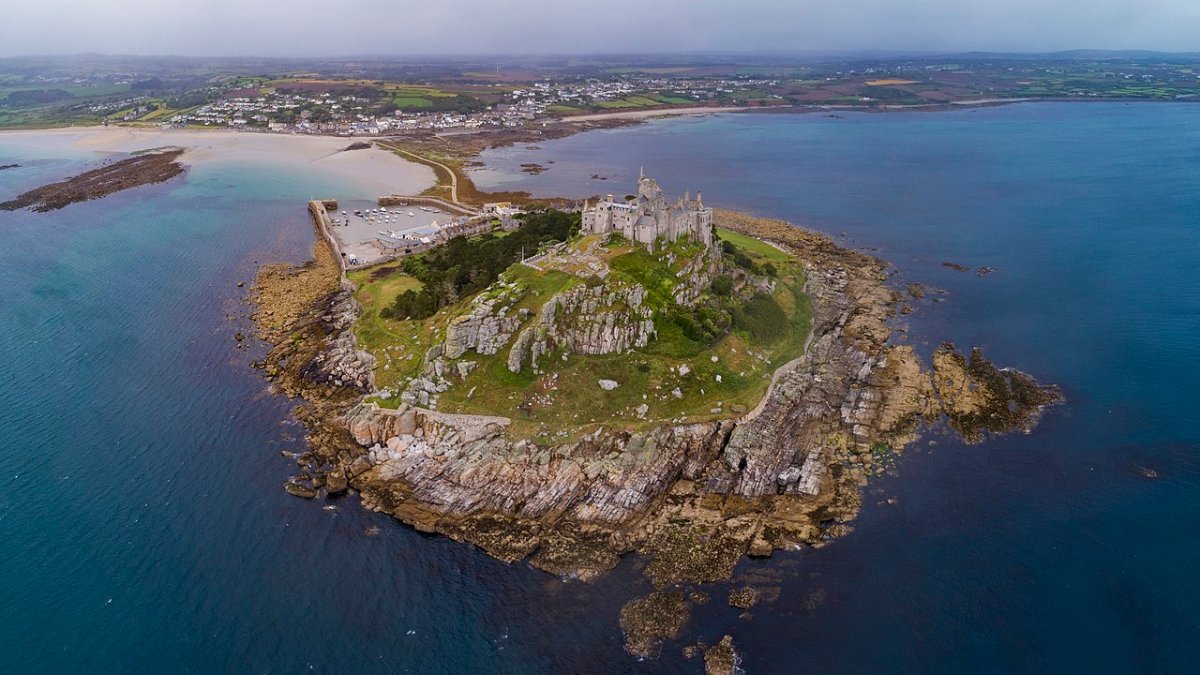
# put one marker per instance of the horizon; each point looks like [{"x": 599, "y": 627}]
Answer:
[
  {"x": 714, "y": 54},
  {"x": 311, "y": 29}
]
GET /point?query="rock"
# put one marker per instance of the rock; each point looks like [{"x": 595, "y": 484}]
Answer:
[
  {"x": 359, "y": 466},
  {"x": 299, "y": 490},
  {"x": 335, "y": 482},
  {"x": 743, "y": 598},
  {"x": 677, "y": 393},
  {"x": 642, "y": 410},
  {"x": 465, "y": 367},
  {"x": 721, "y": 658},
  {"x": 788, "y": 477},
  {"x": 684, "y": 369},
  {"x": 608, "y": 385},
  {"x": 648, "y": 621}
]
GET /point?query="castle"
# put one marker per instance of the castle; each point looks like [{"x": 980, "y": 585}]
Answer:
[{"x": 647, "y": 218}]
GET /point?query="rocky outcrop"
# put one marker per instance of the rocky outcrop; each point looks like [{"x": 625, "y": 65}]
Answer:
[
  {"x": 144, "y": 169},
  {"x": 648, "y": 621},
  {"x": 600, "y": 319},
  {"x": 342, "y": 363},
  {"x": 721, "y": 658},
  {"x": 433, "y": 469},
  {"x": 697, "y": 276},
  {"x": 488, "y": 327},
  {"x": 979, "y": 398}
]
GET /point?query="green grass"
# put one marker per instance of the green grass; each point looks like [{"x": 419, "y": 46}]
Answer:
[
  {"x": 751, "y": 245},
  {"x": 565, "y": 396},
  {"x": 674, "y": 100},
  {"x": 392, "y": 342},
  {"x": 418, "y": 91},
  {"x": 412, "y": 102},
  {"x": 649, "y": 270}
]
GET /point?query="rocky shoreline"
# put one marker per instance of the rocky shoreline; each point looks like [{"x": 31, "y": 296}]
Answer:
[
  {"x": 144, "y": 169},
  {"x": 692, "y": 498}
]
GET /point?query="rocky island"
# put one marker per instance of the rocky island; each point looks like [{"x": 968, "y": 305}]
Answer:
[
  {"x": 147, "y": 168},
  {"x": 663, "y": 378}
]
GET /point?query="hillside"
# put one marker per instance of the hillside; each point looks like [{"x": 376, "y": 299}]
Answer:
[{"x": 589, "y": 331}]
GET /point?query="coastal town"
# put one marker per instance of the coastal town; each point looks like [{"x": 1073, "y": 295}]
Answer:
[
  {"x": 350, "y": 98},
  {"x": 298, "y": 110}
]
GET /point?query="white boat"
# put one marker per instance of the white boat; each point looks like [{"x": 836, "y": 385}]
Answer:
[{"x": 411, "y": 214}]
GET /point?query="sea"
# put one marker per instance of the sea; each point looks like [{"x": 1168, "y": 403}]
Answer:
[{"x": 144, "y": 528}]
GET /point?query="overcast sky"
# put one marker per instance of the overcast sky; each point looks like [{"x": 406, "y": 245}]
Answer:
[{"x": 355, "y": 27}]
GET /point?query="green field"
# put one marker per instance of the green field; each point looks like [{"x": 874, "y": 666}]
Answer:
[
  {"x": 757, "y": 247},
  {"x": 410, "y": 102}
]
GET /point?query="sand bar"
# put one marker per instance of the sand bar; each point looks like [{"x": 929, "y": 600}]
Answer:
[
  {"x": 376, "y": 171},
  {"x": 654, "y": 112}
]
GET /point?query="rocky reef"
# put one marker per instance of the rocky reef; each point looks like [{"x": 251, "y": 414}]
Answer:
[
  {"x": 144, "y": 169},
  {"x": 693, "y": 498}
]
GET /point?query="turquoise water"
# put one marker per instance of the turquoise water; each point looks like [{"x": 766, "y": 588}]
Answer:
[{"x": 146, "y": 530}]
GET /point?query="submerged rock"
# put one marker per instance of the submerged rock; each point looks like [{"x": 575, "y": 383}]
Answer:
[
  {"x": 979, "y": 398},
  {"x": 647, "y": 621},
  {"x": 721, "y": 658}
]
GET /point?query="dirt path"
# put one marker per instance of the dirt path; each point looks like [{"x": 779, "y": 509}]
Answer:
[{"x": 426, "y": 160}]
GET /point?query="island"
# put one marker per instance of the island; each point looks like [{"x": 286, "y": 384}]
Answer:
[
  {"x": 634, "y": 374},
  {"x": 146, "y": 168}
]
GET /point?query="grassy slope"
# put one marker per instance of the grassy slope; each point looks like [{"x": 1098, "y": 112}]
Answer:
[{"x": 566, "y": 395}]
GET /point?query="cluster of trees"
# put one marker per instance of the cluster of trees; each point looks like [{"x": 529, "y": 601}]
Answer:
[
  {"x": 465, "y": 266},
  {"x": 189, "y": 99},
  {"x": 152, "y": 84},
  {"x": 32, "y": 96},
  {"x": 761, "y": 317}
]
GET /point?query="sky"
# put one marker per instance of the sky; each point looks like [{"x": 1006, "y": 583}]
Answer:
[{"x": 408, "y": 27}]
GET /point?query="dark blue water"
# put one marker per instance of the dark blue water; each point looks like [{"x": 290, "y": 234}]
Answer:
[
  {"x": 1046, "y": 553},
  {"x": 144, "y": 528}
]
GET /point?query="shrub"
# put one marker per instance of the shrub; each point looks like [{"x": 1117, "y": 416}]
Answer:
[
  {"x": 762, "y": 318},
  {"x": 723, "y": 285}
]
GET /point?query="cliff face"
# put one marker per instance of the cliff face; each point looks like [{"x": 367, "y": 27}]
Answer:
[{"x": 436, "y": 470}]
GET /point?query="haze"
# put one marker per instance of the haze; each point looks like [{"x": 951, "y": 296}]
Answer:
[{"x": 405, "y": 27}]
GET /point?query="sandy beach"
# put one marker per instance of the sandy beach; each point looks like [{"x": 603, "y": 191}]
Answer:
[
  {"x": 376, "y": 171},
  {"x": 654, "y": 112}
]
